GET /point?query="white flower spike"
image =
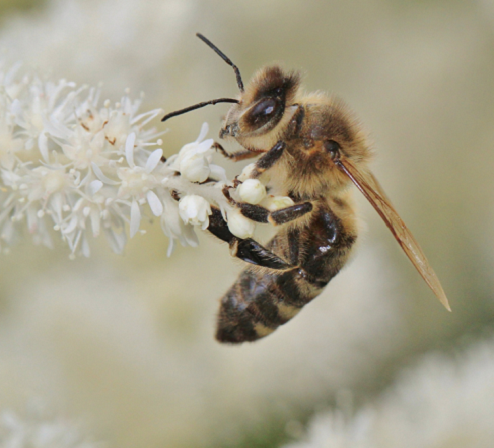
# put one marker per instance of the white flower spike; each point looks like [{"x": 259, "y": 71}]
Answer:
[{"x": 72, "y": 167}]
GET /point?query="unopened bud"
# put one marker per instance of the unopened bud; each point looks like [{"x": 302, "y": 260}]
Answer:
[
  {"x": 252, "y": 191},
  {"x": 239, "y": 225},
  {"x": 195, "y": 210},
  {"x": 195, "y": 168},
  {"x": 273, "y": 203}
]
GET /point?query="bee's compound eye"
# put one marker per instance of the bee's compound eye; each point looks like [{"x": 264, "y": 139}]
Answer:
[
  {"x": 263, "y": 110},
  {"x": 333, "y": 148}
]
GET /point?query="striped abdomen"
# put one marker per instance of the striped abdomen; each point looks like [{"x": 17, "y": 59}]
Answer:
[{"x": 263, "y": 299}]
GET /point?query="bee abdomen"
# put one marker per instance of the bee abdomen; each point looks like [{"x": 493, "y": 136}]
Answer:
[{"x": 256, "y": 306}]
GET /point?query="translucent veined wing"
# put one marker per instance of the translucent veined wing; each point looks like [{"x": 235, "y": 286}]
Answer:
[{"x": 370, "y": 188}]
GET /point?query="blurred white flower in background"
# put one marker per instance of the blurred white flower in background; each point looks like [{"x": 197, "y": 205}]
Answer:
[
  {"x": 119, "y": 43},
  {"x": 441, "y": 402},
  {"x": 36, "y": 431}
]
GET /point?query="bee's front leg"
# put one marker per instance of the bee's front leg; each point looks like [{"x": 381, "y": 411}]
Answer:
[
  {"x": 247, "y": 249},
  {"x": 236, "y": 156}
]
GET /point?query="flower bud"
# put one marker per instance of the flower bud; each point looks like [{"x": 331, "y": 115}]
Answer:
[
  {"x": 195, "y": 168},
  {"x": 239, "y": 225},
  {"x": 195, "y": 210},
  {"x": 273, "y": 203},
  {"x": 252, "y": 191}
]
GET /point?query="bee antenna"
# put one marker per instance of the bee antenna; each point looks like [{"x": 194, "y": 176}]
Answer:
[
  {"x": 225, "y": 58},
  {"x": 198, "y": 106}
]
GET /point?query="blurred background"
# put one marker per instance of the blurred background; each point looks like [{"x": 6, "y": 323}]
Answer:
[{"x": 124, "y": 344}]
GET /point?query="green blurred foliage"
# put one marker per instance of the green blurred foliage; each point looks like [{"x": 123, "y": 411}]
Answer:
[{"x": 10, "y": 6}]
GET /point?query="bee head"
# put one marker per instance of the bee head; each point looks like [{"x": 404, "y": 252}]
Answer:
[
  {"x": 261, "y": 110},
  {"x": 262, "y": 106}
]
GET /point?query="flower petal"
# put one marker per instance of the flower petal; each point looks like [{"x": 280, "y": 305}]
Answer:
[
  {"x": 99, "y": 174},
  {"x": 71, "y": 227},
  {"x": 154, "y": 203},
  {"x": 95, "y": 186},
  {"x": 16, "y": 109},
  {"x": 85, "y": 247},
  {"x": 95, "y": 221},
  {"x": 135, "y": 218},
  {"x": 218, "y": 172},
  {"x": 189, "y": 236},
  {"x": 116, "y": 239},
  {"x": 129, "y": 149},
  {"x": 153, "y": 160},
  {"x": 204, "y": 146},
  {"x": 43, "y": 146},
  {"x": 203, "y": 133},
  {"x": 171, "y": 246}
]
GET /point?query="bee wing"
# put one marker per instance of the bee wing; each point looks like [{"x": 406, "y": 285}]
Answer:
[{"x": 370, "y": 188}]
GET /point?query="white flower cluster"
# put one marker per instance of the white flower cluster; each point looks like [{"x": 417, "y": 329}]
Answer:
[
  {"x": 442, "y": 402},
  {"x": 71, "y": 166},
  {"x": 39, "y": 432},
  {"x": 80, "y": 169}
]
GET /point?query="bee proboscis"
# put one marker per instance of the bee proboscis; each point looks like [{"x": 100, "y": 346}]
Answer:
[{"x": 313, "y": 148}]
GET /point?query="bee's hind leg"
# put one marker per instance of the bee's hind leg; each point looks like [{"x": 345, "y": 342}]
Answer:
[
  {"x": 259, "y": 213},
  {"x": 247, "y": 249}
]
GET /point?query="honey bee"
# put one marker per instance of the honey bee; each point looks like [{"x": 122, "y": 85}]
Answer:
[{"x": 313, "y": 149}]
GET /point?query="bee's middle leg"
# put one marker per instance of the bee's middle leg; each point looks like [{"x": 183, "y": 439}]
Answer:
[
  {"x": 260, "y": 214},
  {"x": 247, "y": 249},
  {"x": 268, "y": 159}
]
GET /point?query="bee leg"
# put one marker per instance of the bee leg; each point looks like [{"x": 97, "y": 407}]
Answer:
[
  {"x": 236, "y": 156},
  {"x": 288, "y": 214},
  {"x": 252, "y": 252},
  {"x": 260, "y": 214},
  {"x": 218, "y": 226},
  {"x": 247, "y": 249},
  {"x": 268, "y": 159}
]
